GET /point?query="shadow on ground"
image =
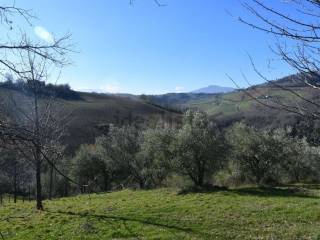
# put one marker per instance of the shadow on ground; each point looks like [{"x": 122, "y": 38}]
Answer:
[
  {"x": 275, "y": 192},
  {"x": 123, "y": 219},
  {"x": 302, "y": 191}
]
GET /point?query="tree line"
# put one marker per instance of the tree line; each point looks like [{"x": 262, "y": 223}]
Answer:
[
  {"x": 199, "y": 152},
  {"x": 62, "y": 91},
  {"x": 196, "y": 153}
]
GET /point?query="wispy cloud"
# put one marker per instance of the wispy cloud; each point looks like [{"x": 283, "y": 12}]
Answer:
[
  {"x": 179, "y": 89},
  {"x": 42, "y": 33},
  {"x": 112, "y": 87}
]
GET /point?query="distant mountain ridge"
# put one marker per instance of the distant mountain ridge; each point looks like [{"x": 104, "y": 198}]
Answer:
[{"x": 211, "y": 89}]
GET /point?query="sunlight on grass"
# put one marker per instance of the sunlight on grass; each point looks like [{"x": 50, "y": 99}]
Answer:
[{"x": 246, "y": 213}]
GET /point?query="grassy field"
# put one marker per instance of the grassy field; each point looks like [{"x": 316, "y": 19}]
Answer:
[{"x": 246, "y": 213}]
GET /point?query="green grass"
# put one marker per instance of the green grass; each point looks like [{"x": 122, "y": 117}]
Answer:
[{"x": 247, "y": 213}]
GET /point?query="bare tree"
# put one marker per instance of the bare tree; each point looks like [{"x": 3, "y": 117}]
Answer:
[
  {"x": 296, "y": 29},
  {"x": 35, "y": 123},
  {"x": 55, "y": 51},
  {"x": 32, "y": 127}
]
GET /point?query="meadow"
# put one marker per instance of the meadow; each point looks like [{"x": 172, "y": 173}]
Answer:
[{"x": 242, "y": 213}]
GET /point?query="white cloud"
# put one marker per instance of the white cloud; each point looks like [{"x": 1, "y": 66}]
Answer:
[
  {"x": 111, "y": 88},
  {"x": 179, "y": 89},
  {"x": 42, "y": 33}
]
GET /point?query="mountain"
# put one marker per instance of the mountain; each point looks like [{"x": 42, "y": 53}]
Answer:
[{"x": 214, "y": 89}]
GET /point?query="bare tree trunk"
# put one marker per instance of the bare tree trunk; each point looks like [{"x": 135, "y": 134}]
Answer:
[
  {"x": 51, "y": 182},
  {"x": 38, "y": 147},
  {"x": 29, "y": 193},
  {"x": 38, "y": 180},
  {"x": 15, "y": 183}
]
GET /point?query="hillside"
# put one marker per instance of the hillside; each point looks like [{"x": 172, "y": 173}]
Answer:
[
  {"x": 237, "y": 105},
  {"x": 92, "y": 110},
  {"x": 89, "y": 110},
  {"x": 245, "y": 213},
  {"x": 96, "y": 109}
]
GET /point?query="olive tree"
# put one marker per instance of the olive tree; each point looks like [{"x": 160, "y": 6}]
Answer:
[
  {"x": 141, "y": 157},
  {"x": 254, "y": 153},
  {"x": 90, "y": 169},
  {"x": 199, "y": 148},
  {"x": 301, "y": 162},
  {"x": 120, "y": 146},
  {"x": 154, "y": 161},
  {"x": 261, "y": 156}
]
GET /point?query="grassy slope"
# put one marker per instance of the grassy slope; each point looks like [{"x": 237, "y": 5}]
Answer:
[
  {"x": 239, "y": 101},
  {"x": 246, "y": 213},
  {"x": 236, "y": 106},
  {"x": 215, "y": 103}
]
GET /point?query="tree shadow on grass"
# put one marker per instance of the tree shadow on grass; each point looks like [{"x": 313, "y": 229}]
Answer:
[
  {"x": 274, "y": 192},
  {"x": 305, "y": 186},
  {"x": 288, "y": 191},
  {"x": 130, "y": 219},
  {"x": 204, "y": 189}
]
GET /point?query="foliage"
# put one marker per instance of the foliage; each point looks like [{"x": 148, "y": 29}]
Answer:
[
  {"x": 266, "y": 157},
  {"x": 301, "y": 163},
  {"x": 119, "y": 148},
  {"x": 256, "y": 154},
  {"x": 90, "y": 169},
  {"x": 199, "y": 148},
  {"x": 135, "y": 156},
  {"x": 154, "y": 161}
]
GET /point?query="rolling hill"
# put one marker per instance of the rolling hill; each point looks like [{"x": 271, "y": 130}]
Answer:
[
  {"x": 90, "y": 110},
  {"x": 97, "y": 109},
  {"x": 227, "y": 108}
]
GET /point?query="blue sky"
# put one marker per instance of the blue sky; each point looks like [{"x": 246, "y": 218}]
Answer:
[{"x": 143, "y": 48}]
